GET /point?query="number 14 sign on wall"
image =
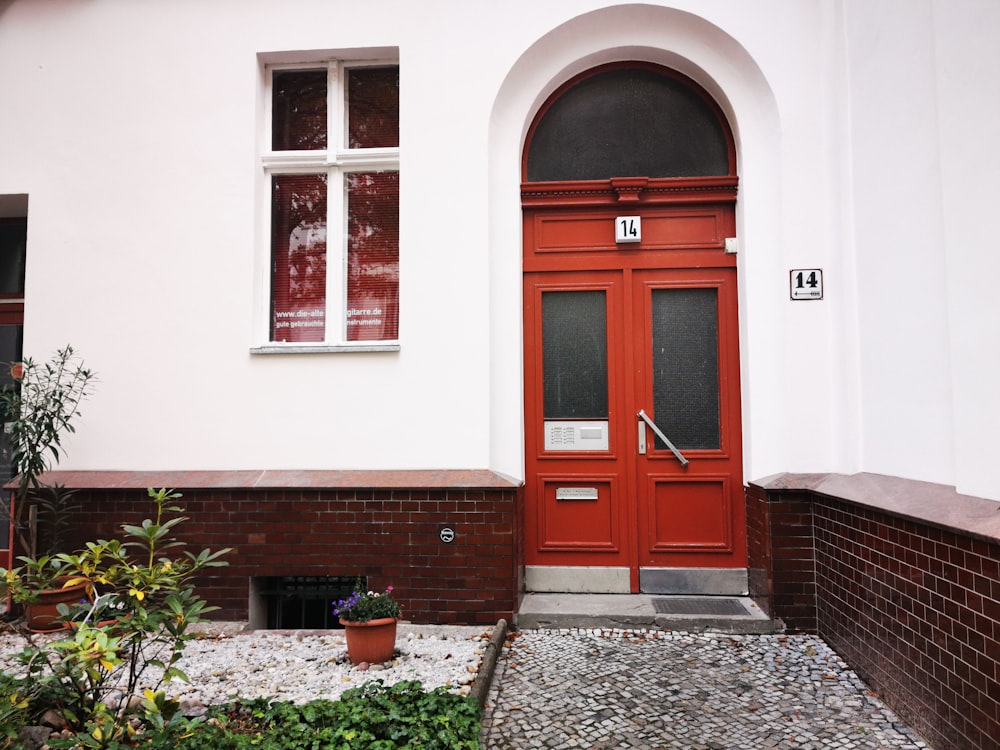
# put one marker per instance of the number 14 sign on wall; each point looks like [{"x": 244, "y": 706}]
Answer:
[{"x": 806, "y": 283}]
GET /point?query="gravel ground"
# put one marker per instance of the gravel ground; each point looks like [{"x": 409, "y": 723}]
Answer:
[{"x": 300, "y": 666}]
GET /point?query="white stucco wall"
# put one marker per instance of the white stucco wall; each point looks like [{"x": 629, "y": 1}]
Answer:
[
  {"x": 135, "y": 132},
  {"x": 968, "y": 119},
  {"x": 900, "y": 255}
]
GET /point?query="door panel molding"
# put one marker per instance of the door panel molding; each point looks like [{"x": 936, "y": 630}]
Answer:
[
  {"x": 575, "y": 521},
  {"x": 667, "y": 228},
  {"x": 700, "y": 514}
]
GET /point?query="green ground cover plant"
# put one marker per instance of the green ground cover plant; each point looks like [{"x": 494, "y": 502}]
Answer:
[
  {"x": 15, "y": 703},
  {"x": 403, "y": 716}
]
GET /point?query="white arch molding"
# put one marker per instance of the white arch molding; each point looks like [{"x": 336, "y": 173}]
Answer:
[{"x": 718, "y": 62}]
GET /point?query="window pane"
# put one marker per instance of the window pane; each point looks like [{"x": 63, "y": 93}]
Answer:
[
  {"x": 628, "y": 123},
  {"x": 13, "y": 233},
  {"x": 575, "y": 355},
  {"x": 686, "y": 367},
  {"x": 298, "y": 254},
  {"x": 10, "y": 351},
  {"x": 373, "y": 107},
  {"x": 372, "y": 256},
  {"x": 298, "y": 110}
]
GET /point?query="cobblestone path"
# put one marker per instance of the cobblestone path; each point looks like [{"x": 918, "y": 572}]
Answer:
[{"x": 646, "y": 690}]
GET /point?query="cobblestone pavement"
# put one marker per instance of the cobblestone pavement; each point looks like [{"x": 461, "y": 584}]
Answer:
[{"x": 645, "y": 690}]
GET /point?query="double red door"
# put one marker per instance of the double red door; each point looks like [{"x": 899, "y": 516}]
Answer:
[{"x": 632, "y": 422}]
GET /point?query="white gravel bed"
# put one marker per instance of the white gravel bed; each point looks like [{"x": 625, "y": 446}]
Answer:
[{"x": 300, "y": 666}]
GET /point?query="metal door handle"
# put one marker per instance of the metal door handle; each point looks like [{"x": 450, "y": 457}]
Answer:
[{"x": 642, "y": 437}]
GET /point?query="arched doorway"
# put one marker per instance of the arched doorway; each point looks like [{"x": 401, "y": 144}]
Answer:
[{"x": 632, "y": 398}]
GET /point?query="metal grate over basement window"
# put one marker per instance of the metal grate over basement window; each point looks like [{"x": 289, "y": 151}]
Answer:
[{"x": 305, "y": 602}]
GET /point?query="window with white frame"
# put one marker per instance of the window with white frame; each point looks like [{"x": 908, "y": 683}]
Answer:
[{"x": 333, "y": 170}]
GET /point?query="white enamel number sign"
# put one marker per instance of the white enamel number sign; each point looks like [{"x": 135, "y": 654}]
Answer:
[
  {"x": 628, "y": 229},
  {"x": 806, "y": 283}
]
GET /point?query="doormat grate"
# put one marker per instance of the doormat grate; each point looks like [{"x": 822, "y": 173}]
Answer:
[{"x": 718, "y": 606}]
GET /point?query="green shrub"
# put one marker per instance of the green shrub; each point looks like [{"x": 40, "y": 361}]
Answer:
[
  {"x": 15, "y": 707},
  {"x": 36, "y": 411},
  {"x": 403, "y": 716},
  {"x": 130, "y": 635}
]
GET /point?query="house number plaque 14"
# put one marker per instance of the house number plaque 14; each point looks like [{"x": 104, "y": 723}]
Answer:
[
  {"x": 806, "y": 283},
  {"x": 628, "y": 229}
]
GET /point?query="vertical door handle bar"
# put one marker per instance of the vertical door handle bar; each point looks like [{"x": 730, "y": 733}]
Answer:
[{"x": 645, "y": 418}]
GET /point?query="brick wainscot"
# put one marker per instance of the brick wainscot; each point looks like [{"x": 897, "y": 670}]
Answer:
[
  {"x": 902, "y": 578},
  {"x": 384, "y": 525}
]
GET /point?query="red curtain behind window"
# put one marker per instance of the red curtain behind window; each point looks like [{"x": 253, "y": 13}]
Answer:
[
  {"x": 373, "y": 256},
  {"x": 298, "y": 253}
]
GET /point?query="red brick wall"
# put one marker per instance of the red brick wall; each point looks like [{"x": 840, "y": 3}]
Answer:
[
  {"x": 391, "y": 536},
  {"x": 912, "y": 606},
  {"x": 781, "y": 559},
  {"x": 915, "y": 610}
]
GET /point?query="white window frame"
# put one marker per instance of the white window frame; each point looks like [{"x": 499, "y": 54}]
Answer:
[{"x": 336, "y": 162}]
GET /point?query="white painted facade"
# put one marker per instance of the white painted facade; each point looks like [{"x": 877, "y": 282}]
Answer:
[{"x": 865, "y": 138}]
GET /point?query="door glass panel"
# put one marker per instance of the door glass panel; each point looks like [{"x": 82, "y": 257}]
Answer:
[
  {"x": 575, "y": 355},
  {"x": 685, "y": 335}
]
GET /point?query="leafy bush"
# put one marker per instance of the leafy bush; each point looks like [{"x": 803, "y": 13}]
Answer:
[
  {"x": 36, "y": 411},
  {"x": 373, "y": 717},
  {"x": 15, "y": 703},
  {"x": 93, "y": 676}
]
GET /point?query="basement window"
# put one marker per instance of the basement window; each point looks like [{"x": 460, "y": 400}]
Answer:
[{"x": 302, "y": 602}]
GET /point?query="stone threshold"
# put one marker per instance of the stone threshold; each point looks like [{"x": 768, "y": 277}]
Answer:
[{"x": 633, "y": 611}]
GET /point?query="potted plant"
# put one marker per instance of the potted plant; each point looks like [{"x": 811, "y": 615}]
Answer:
[
  {"x": 41, "y": 586},
  {"x": 38, "y": 410},
  {"x": 369, "y": 620}
]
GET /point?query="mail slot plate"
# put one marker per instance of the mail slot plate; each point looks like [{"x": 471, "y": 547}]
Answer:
[
  {"x": 576, "y": 435},
  {"x": 576, "y": 493}
]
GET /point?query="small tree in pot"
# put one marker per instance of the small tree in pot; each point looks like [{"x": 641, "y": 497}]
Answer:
[{"x": 38, "y": 411}]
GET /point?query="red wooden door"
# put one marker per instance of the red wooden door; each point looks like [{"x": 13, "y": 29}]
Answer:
[
  {"x": 648, "y": 333},
  {"x": 689, "y": 490},
  {"x": 578, "y": 454}
]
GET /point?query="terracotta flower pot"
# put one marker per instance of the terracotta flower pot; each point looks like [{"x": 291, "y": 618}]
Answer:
[
  {"x": 372, "y": 641},
  {"x": 42, "y": 615}
]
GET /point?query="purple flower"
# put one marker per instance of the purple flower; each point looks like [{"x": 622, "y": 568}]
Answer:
[{"x": 367, "y": 605}]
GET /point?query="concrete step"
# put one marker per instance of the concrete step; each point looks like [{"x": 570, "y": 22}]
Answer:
[{"x": 728, "y": 614}]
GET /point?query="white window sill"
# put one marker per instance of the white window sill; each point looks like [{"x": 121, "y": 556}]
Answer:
[{"x": 325, "y": 348}]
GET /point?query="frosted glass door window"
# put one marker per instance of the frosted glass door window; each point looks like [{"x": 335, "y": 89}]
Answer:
[
  {"x": 685, "y": 336},
  {"x": 575, "y": 354}
]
